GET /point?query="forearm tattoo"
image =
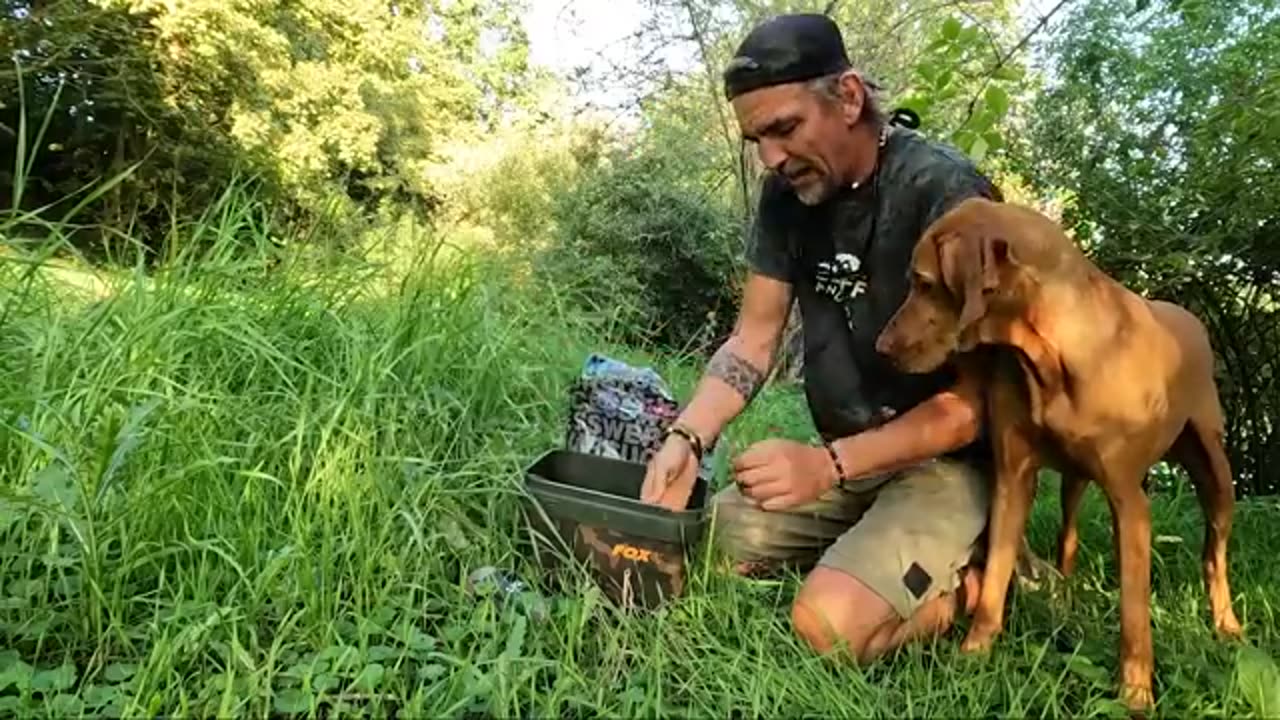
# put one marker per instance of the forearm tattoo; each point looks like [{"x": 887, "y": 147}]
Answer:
[{"x": 739, "y": 374}]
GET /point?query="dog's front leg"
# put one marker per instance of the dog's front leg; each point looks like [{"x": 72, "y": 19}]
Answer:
[
  {"x": 1132, "y": 522},
  {"x": 1014, "y": 491}
]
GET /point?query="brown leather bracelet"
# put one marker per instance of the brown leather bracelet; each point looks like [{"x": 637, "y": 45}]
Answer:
[
  {"x": 841, "y": 478},
  {"x": 694, "y": 441}
]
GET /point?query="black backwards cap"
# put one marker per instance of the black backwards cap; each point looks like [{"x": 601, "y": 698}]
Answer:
[
  {"x": 793, "y": 48},
  {"x": 786, "y": 49}
]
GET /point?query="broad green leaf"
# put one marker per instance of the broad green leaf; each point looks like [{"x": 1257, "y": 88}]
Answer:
[
  {"x": 1259, "y": 680},
  {"x": 963, "y": 139},
  {"x": 981, "y": 121},
  {"x": 324, "y": 682},
  {"x": 65, "y": 705},
  {"x": 378, "y": 653},
  {"x": 119, "y": 672},
  {"x": 291, "y": 701},
  {"x": 1009, "y": 73},
  {"x": 951, "y": 28},
  {"x": 17, "y": 675},
  {"x": 997, "y": 100},
  {"x": 62, "y": 677},
  {"x": 370, "y": 678},
  {"x": 54, "y": 485},
  {"x": 978, "y": 150},
  {"x": 431, "y": 672}
]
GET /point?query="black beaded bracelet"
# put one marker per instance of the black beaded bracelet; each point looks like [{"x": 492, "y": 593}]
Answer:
[
  {"x": 689, "y": 435},
  {"x": 841, "y": 478}
]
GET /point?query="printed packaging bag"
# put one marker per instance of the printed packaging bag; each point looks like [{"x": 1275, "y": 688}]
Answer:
[{"x": 621, "y": 411}]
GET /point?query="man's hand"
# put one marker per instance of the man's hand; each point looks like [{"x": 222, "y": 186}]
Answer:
[
  {"x": 780, "y": 474},
  {"x": 669, "y": 477}
]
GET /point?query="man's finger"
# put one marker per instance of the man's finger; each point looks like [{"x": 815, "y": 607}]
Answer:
[
  {"x": 753, "y": 476},
  {"x": 752, "y": 457},
  {"x": 679, "y": 487},
  {"x": 653, "y": 486},
  {"x": 768, "y": 489}
]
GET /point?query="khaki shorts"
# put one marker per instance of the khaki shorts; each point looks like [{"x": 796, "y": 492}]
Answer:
[{"x": 907, "y": 539}]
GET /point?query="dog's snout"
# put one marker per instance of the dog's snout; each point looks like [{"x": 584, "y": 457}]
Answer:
[{"x": 887, "y": 341}]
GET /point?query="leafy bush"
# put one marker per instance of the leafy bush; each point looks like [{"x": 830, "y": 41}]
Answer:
[{"x": 635, "y": 237}]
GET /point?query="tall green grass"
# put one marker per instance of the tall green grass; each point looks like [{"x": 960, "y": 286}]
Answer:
[{"x": 237, "y": 490}]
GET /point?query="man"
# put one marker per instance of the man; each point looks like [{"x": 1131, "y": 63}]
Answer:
[{"x": 891, "y": 505}]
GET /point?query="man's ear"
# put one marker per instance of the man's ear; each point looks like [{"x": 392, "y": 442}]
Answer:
[{"x": 853, "y": 95}]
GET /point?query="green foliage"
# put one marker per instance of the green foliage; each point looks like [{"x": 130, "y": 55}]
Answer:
[
  {"x": 227, "y": 492},
  {"x": 962, "y": 89},
  {"x": 642, "y": 234},
  {"x": 1164, "y": 120},
  {"x": 338, "y": 107}
]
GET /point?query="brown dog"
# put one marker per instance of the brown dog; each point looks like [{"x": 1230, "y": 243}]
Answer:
[{"x": 1091, "y": 378}]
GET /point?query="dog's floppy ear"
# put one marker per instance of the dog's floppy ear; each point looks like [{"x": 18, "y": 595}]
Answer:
[{"x": 971, "y": 261}]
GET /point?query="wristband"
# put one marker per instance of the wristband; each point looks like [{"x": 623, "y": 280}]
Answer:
[
  {"x": 841, "y": 478},
  {"x": 687, "y": 434}
]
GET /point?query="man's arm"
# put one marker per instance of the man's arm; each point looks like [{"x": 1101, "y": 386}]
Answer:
[
  {"x": 738, "y": 369},
  {"x": 945, "y": 422}
]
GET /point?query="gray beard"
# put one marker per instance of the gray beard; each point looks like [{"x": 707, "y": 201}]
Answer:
[{"x": 814, "y": 194}]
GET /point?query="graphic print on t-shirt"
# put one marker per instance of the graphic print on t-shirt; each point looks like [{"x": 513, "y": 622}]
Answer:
[{"x": 840, "y": 278}]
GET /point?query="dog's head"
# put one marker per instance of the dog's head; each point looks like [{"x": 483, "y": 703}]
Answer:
[{"x": 967, "y": 279}]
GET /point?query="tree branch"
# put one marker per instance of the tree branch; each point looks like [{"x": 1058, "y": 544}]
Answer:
[{"x": 1044, "y": 20}]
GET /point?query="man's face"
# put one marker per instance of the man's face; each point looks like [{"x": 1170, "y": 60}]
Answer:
[{"x": 801, "y": 135}]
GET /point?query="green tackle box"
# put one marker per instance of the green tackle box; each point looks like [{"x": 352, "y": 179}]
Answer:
[{"x": 587, "y": 507}]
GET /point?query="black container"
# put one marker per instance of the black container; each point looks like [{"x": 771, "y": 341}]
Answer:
[{"x": 587, "y": 507}]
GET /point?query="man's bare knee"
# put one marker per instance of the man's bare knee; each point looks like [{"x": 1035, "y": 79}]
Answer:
[{"x": 837, "y": 612}]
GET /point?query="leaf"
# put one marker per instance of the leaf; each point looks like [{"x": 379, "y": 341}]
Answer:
[
  {"x": 370, "y": 678},
  {"x": 378, "y": 653},
  {"x": 994, "y": 139},
  {"x": 981, "y": 121},
  {"x": 61, "y": 678},
  {"x": 431, "y": 672},
  {"x": 963, "y": 139},
  {"x": 1082, "y": 666},
  {"x": 119, "y": 672},
  {"x": 17, "y": 674},
  {"x": 951, "y": 28},
  {"x": 978, "y": 150},
  {"x": 99, "y": 696},
  {"x": 515, "y": 640},
  {"x": 324, "y": 682},
  {"x": 54, "y": 485},
  {"x": 65, "y": 705},
  {"x": 1010, "y": 73},
  {"x": 419, "y": 641},
  {"x": 1259, "y": 680},
  {"x": 997, "y": 100},
  {"x": 291, "y": 701}
]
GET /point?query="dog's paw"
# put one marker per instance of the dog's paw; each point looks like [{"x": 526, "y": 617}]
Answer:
[
  {"x": 979, "y": 640},
  {"x": 1228, "y": 626},
  {"x": 1137, "y": 698}
]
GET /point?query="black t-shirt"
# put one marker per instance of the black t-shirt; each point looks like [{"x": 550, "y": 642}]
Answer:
[{"x": 848, "y": 262}]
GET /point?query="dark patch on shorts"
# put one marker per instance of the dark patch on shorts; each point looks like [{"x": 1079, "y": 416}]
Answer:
[{"x": 917, "y": 580}]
